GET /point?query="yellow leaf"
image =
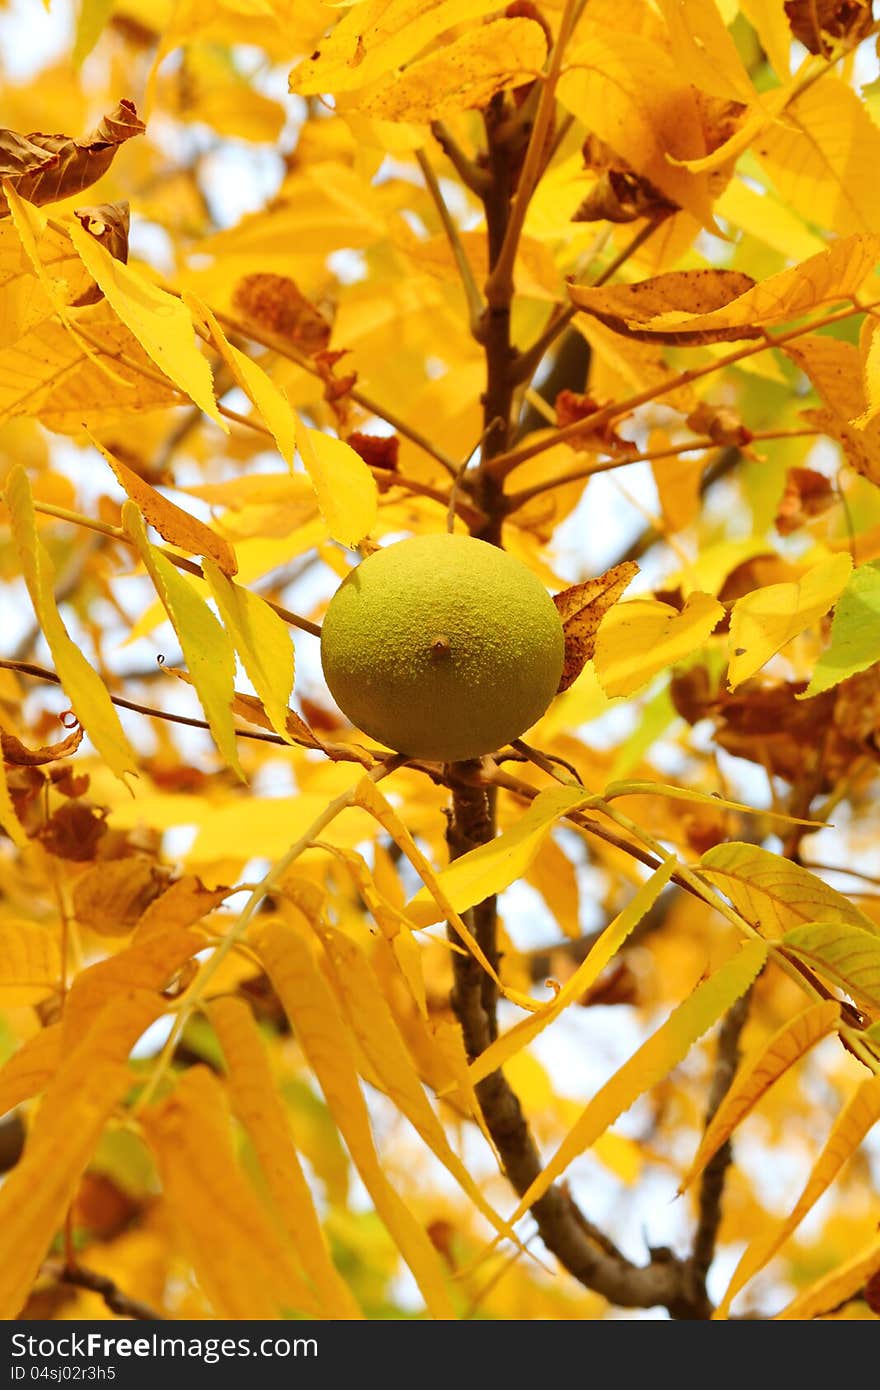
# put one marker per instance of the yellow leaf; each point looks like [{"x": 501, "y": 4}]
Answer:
[
  {"x": 49, "y": 373},
  {"x": 377, "y": 36},
  {"x": 8, "y": 819},
  {"x": 555, "y": 877},
  {"x": 639, "y": 638},
  {"x": 847, "y": 956},
  {"x": 492, "y": 867},
  {"x": 272, "y": 404},
  {"x": 822, "y": 157},
  {"x": 662, "y": 309},
  {"x": 787, "y": 1046},
  {"x": 704, "y": 51},
  {"x": 26, "y": 303},
  {"x": 323, "y": 1038},
  {"x": 653, "y": 1060},
  {"x": 834, "y": 367},
  {"x": 160, "y": 322},
  {"x": 462, "y": 75},
  {"x": 764, "y": 216},
  {"x": 764, "y": 620},
  {"x": 604, "y": 950},
  {"x": 83, "y": 686},
  {"x": 262, "y": 641},
  {"x": 627, "y": 91},
  {"x": 31, "y": 1068},
  {"x": 368, "y": 795},
  {"x": 346, "y": 489},
  {"x": 206, "y": 647},
  {"x": 174, "y": 525},
  {"x": 257, "y": 1103},
  {"x": 773, "y": 893},
  {"x": 228, "y": 1237},
  {"x": 834, "y": 1288},
  {"x": 769, "y": 20},
  {"x": 91, "y": 1078},
  {"x": 852, "y": 1124},
  {"x": 373, "y": 1025}
]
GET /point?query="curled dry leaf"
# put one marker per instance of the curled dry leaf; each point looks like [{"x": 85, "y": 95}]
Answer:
[
  {"x": 275, "y": 303},
  {"x": 576, "y": 405},
  {"x": 46, "y": 168},
  {"x": 73, "y": 831},
  {"x": 582, "y": 608},
  {"x": 108, "y": 223},
  {"x": 14, "y": 751},
  {"x": 718, "y": 306}
]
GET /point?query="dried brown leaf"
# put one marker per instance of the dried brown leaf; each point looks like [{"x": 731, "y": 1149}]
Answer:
[
  {"x": 582, "y": 608},
  {"x": 14, "y": 751},
  {"x": 718, "y": 306},
  {"x": 110, "y": 897},
  {"x": 807, "y": 494},
  {"x": 46, "y": 168},
  {"x": 275, "y": 303}
]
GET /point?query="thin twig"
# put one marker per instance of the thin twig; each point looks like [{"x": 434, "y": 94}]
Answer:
[
  {"x": 518, "y": 499},
  {"x": 337, "y": 751},
  {"x": 470, "y": 173},
  {"x": 118, "y": 1302},
  {"x": 502, "y": 464},
  {"x": 116, "y": 533},
  {"x": 715, "y": 1172},
  {"x": 469, "y": 284}
]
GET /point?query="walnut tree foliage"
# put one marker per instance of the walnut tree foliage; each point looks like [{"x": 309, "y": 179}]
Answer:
[{"x": 291, "y": 1024}]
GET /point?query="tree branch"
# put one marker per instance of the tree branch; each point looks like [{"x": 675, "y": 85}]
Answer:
[
  {"x": 117, "y": 1301},
  {"x": 715, "y": 1173}
]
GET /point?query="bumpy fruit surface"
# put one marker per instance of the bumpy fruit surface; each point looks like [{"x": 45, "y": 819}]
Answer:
[{"x": 442, "y": 647}]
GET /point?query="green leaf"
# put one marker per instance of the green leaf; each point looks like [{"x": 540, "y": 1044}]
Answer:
[{"x": 855, "y": 632}]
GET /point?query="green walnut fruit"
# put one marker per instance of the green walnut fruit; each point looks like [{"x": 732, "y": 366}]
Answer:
[{"x": 442, "y": 647}]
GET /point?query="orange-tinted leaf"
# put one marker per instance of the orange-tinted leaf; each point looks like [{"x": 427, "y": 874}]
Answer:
[
  {"x": 275, "y": 304},
  {"x": 110, "y": 897},
  {"x": 312, "y": 1010},
  {"x": 238, "y": 1257},
  {"x": 86, "y": 1087},
  {"x": 14, "y": 751},
  {"x": 31, "y": 1068},
  {"x": 257, "y": 1103},
  {"x": 174, "y": 525}
]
